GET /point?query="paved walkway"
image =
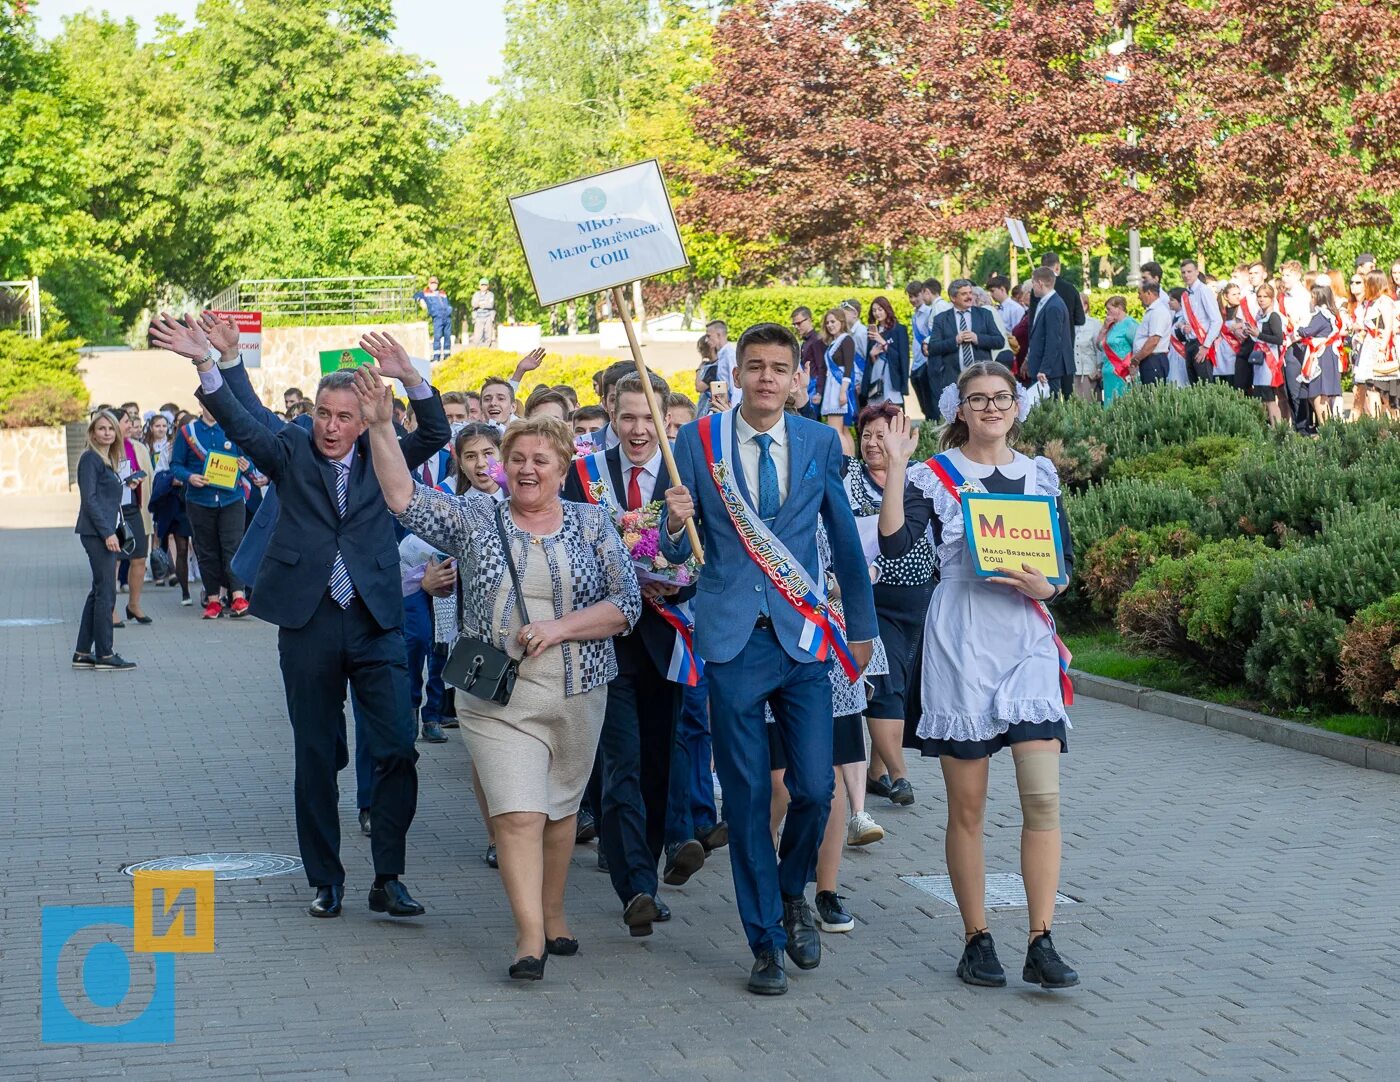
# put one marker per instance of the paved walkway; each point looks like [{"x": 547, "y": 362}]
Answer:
[{"x": 1236, "y": 918}]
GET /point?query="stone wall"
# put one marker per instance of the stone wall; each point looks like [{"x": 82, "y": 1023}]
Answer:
[{"x": 33, "y": 461}]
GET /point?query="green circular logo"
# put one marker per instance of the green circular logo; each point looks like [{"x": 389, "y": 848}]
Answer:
[{"x": 594, "y": 200}]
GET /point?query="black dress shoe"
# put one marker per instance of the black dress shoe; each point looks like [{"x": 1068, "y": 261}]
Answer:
[
  {"x": 804, "y": 945},
  {"x": 586, "y": 829},
  {"x": 717, "y": 837},
  {"x": 602, "y": 860},
  {"x": 878, "y": 786},
  {"x": 902, "y": 793},
  {"x": 639, "y": 914},
  {"x": 663, "y": 912},
  {"x": 327, "y": 901},
  {"x": 490, "y": 857},
  {"x": 528, "y": 968},
  {"x": 683, "y": 861},
  {"x": 979, "y": 964},
  {"x": 433, "y": 734},
  {"x": 1045, "y": 967},
  {"x": 562, "y": 946},
  {"x": 142, "y": 619},
  {"x": 393, "y": 898},
  {"x": 768, "y": 978},
  {"x": 364, "y": 822}
]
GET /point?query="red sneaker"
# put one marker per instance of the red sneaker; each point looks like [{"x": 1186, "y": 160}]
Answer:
[
  {"x": 240, "y": 607},
  {"x": 214, "y": 609}
]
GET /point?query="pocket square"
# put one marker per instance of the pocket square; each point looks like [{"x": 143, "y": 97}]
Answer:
[{"x": 811, "y": 470}]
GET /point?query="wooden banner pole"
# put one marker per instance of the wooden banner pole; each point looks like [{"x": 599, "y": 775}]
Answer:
[{"x": 658, "y": 415}]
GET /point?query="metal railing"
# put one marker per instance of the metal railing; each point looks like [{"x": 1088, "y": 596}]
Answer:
[
  {"x": 308, "y": 300},
  {"x": 19, "y": 307}
]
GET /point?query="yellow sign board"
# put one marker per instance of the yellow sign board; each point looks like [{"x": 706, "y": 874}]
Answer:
[
  {"x": 1008, "y": 531},
  {"x": 221, "y": 470}
]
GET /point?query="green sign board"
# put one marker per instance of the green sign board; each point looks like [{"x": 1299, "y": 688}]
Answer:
[{"x": 332, "y": 359}]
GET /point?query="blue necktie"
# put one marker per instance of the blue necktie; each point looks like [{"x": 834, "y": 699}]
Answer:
[
  {"x": 342, "y": 589},
  {"x": 767, "y": 479}
]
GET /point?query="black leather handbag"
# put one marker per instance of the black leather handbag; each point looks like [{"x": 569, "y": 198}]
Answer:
[
  {"x": 126, "y": 540},
  {"x": 476, "y": 666}
]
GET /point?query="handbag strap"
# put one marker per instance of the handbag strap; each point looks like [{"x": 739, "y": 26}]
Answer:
[{"x": 510, "y": 564}]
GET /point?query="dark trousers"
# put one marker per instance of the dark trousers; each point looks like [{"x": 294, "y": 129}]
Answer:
[
  {"x": 923, "y": 391},
  {"x": 1301, "y": 408},
  {"x": 216, "y": 532},
  {"x": 95, "y": 627},
  {"x": 1060, "y": 386},
  {"x": 1153, "y": 369},
  {"x": 634, "y": 751},
  {"x": 335, "y": 646},
  {"x": 442, "y": 337},
  {"x": 690, "y": 806},
  {"x": 425, "y": 692},
  {"x": 800, "y": 694}
]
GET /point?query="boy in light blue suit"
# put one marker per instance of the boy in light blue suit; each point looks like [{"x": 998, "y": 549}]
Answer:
[{"x": 757, "y": 482}]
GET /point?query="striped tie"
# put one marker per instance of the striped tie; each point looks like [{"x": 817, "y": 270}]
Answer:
[{"x": 342, "y": 589}]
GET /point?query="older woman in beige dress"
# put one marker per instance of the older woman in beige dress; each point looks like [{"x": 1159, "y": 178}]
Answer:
[{"x": 534, "y": 755}]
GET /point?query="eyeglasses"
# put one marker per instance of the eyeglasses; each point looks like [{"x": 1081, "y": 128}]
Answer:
[
  {"x": 981, "y": 403},
  {"x": 1358, "y": 281}
]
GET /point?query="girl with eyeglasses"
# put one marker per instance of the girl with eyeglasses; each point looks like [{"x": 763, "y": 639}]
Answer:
[{"x": 991, "y": 659}]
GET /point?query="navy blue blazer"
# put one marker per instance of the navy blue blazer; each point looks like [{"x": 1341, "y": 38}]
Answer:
[
  {"x": 418, "y": 446},
  {"x": 943, "y": 334},
  {"x": 896, "y": 362},
  {"x": 301, "y": 552},
  {"x": 99, "y": 497},
  {"x": 1051, "y": 349},
  {"x": 651, "y": 635},
  {"x": 731, "y": 584}
]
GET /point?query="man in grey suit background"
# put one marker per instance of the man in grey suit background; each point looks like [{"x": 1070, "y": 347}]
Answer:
[
  {"x": 959, "y": 336},
  {"x": 1050, "y": 354}
]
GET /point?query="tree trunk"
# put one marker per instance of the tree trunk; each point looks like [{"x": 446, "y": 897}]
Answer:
[
  {"x": 510, "y": 309},
  {"x": 571, "y": 317},
  {"x": 1086, "y": 277},
  {"x": 1270, "y": 258},
  {"x": 688, "y": 311},
  {"x": 1312, "y": 249},
  {"x": 889, "y": 267},
  {"x": 947, "y": 271},
  {"x": 1200, "y": 260},
  {"x": 639, "y": 308}
]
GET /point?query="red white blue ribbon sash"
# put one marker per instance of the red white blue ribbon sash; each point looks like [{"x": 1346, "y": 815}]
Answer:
[
  {"x": 953, "y": 480},
  {"x": 686, "y": 666},
  {"x": 824, "y": 631},
  {"x": 1312, "y": 360}
]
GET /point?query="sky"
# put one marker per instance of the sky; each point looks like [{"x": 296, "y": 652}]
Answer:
[{"x": 462, "y": 39}]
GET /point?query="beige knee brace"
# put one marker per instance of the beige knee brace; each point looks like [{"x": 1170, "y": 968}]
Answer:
[{"x": 1038, "y": 779}]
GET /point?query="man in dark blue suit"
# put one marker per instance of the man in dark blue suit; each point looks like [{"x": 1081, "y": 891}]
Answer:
[
  {"x": 759, "y": 484},
  {"x": 1050, "y": 354},
  {"x": 959, "y": 336},
  {"x": 644, "y": 700},
  {"x": 331, "y": 583}
]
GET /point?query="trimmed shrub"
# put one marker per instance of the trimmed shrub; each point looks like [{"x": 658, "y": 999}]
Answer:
[
  {"x": 1160, "y": 416},
  {"x": 1196, "y": 466},
  {"x": 1103, "y": 510},
  {"x": 1111, "y": 567},
  {"x": 1295, "y": 658},
  {"x": 39, "y": 381},
  {"x": 743, "y": 307},
  {"x": 1370, "y": 658},
  {"x": 1184, "y": 606},
  {"x": 467, "y": 368},
  {"x": 1064, "y": 431}
]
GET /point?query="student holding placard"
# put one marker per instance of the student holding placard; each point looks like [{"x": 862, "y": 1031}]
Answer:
[{"x": 994, "y": 671}]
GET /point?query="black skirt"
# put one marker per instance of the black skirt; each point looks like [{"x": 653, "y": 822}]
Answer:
[
  {"x": 1019, "y": 733},
  {"x": 899, "y": 612},
  {"x": 847, "y": 742}
]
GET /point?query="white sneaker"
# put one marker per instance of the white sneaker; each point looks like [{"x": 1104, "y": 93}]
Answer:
[{"x": 862, "y": 830}]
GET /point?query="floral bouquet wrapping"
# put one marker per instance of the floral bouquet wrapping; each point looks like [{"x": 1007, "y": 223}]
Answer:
[{"x": 641, "y": 537}]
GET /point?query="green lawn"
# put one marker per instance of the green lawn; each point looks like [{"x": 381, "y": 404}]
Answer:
[{"x": 1102, "y": 653}]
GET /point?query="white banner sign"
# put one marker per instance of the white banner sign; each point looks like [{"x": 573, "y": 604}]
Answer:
[
  {"x": 598, "y": 232},
  {"x": 1017, "y": 229}
]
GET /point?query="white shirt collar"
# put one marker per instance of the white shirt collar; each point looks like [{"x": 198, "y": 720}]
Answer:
[
  {"x": 651, "y": 466},
  {"x": 746, "y": 432}
]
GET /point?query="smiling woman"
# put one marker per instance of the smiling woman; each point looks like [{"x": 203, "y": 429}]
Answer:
[{"x": 576, "y": 590}]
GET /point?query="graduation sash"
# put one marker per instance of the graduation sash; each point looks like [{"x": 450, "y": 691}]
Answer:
[
  {"x": 1312, "y": 360},
  {"x": 202, "y": 453},
  {"x": 686, "y": 666},
  {"x": 823, "y": 632},
  {"x": 1249, "y": 311},
  {"x": 1228, "y": 340},
  {"x": 1193, "y": 320},
  {"x": 1121, "y": 365},
  {"x": 953, "y": 480}
]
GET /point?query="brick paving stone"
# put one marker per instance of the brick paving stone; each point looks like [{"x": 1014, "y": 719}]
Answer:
[{"x": 1236, "y": 914}]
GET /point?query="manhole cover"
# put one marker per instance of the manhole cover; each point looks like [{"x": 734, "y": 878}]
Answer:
[
  {"x": 223, "y": 865},
  {"x": 1005, "y": 890},
  {"x": 30, "y": 621}
]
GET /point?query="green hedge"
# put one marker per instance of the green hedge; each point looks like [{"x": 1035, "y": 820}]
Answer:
[
  {"x": 39, "y": 381},
  {"x": 742, "y": 308}
]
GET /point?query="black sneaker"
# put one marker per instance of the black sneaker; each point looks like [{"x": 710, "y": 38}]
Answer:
[
  {"x": 433, "y": 734},
  {"x": 979, "y": 964},
  {"x": 1045, "y": 967},
  {"x": 902, "y": 793},
  {"x": 832, "y": 916},
  {"x": 878, "y": 786},
  {"x": 113, "y": 663},
  {"x": 82, "y": 660}
]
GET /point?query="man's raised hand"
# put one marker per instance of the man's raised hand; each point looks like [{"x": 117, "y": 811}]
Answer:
[
  {"x": 376, "y": 397},
  {"x": 222, "y": 333},
  {"x": 528, "y": 363},
  {"x": 391, "y": 358},
  {"x": 186, "y": 338}
]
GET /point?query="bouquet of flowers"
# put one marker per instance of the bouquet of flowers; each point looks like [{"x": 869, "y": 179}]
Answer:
[{"x": 641, "y": 537}]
